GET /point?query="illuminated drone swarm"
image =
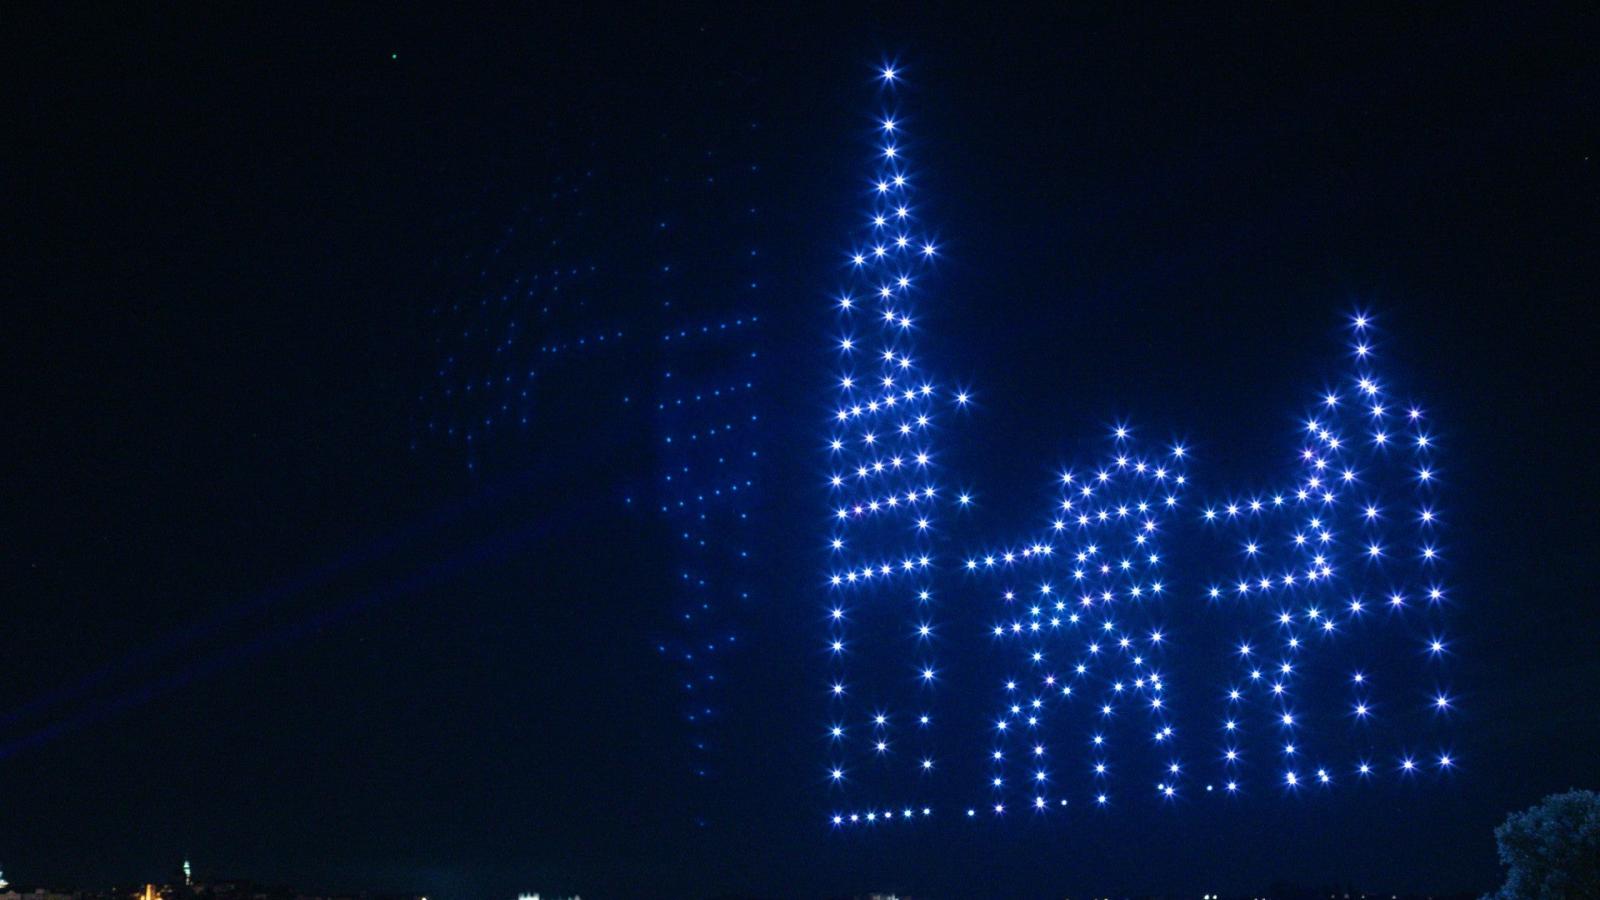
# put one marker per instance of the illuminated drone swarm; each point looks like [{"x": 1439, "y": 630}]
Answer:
[{"x": 1339, "y": 551}]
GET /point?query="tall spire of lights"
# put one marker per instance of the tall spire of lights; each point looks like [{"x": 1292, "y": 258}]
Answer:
[
  {"x": 886, "y": 501},
  {"x": 1320, "y": 591}
]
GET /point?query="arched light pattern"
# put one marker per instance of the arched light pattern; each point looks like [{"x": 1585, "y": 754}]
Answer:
[{"x": 1089, "y": 612}]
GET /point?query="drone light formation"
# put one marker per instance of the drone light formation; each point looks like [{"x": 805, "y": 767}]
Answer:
[
  {"x": 577, "y": 320},
  {"x": 1089, "y": 614}
]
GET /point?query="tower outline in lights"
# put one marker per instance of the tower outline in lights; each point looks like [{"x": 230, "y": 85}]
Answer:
[{"x": 1316, "y": 574}]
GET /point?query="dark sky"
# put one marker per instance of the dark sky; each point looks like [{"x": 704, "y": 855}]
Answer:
[{"x": 266, "y": 612}]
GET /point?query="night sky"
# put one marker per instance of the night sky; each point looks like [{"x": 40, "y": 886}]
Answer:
[{"x": 341, "y": 546}]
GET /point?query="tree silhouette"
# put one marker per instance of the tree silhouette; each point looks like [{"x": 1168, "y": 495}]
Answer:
[{"x": 1551, "y": 851}]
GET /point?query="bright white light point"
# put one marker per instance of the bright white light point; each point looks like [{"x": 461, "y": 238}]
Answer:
[{"x": 889, "y": 73}]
